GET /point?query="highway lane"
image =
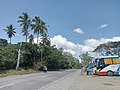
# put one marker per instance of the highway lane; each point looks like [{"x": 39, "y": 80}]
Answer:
[
  {"x": 32, "y": 81},
  {"x": 60, "y": 80}
]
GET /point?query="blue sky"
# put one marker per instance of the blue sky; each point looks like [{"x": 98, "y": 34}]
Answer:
[{"x": 98, "y": 20}]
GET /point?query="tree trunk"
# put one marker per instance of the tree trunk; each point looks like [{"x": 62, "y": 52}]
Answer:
[
  {"x": 10, "y": 40},
  {"x": 41, "y": 53},
  {"x": 26, "y": 38},
  {"x": 18, "y": 59},
  {"x": 37, "y": 38}
]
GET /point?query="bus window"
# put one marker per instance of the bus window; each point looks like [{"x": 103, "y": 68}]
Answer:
[
  {"x": 108, "y": 61},
  {"x": 116, "y": 61}
]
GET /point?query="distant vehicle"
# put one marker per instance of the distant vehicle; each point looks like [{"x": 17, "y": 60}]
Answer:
[
  {"x": 45, "y": 68},
  {"x": 107, "y": 65}
]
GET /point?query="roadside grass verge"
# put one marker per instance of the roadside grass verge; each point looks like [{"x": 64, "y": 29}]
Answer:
[{"x": 19, "y": 72}]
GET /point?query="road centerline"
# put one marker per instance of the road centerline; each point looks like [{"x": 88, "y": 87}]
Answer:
[
  {"x": 6, "y": 85},
  {"x": 54, "y": 81}
]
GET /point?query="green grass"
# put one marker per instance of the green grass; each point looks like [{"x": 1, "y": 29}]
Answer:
[{"x": 14, "y": 72}]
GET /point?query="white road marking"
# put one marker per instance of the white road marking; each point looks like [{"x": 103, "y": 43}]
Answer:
[
  {"x": 6, "y": 85},
  {"x": 17, "y": 82},
  {"x": 42, "y": 88}
]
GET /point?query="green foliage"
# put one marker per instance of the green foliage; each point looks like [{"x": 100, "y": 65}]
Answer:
[
  {"x": 86, "y": 58},
  {"x": 29, "y": 55},
  {"x": 3, "y": 42},
  {"x": 45, "y": 41},
  {"x": 7, "y": 57},
  {"x": 31, "y": 39},
  {"x": 52, "y": 57},
  {"x": 14, "y": 72},
  {"x": 25, "y": 23},
  {"x": 10, "y": 31},
  {"x": 57, "y": 59},
  {"x": 33, "y": 55},
  {"x": 110, "y": 48},
  {"x": 38, "y": 26}
]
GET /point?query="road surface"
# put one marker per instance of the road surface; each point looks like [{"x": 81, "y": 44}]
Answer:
[{"x": 59, "y": 80}]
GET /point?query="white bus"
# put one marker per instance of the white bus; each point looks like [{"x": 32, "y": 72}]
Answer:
[{"x": 107, "y": 65}]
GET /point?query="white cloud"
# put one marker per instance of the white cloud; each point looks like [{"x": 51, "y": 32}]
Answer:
[
  {"x": 94, "y": 42},
  {"x": 78, "y": 30},
  {"x": 76, "y": 49},
  {"x": 102, "y": 26},
  {"x": 70, "y": 51}
]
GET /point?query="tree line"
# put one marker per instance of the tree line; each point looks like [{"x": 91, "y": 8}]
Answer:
[
  {"x": 110, "y": 48},
  {"x": 33, "y": 55}
]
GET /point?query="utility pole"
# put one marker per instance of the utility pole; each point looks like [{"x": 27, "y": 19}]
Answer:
[{"x": 19, "y": 53}]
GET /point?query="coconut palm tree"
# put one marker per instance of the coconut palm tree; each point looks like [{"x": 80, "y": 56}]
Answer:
[
  {"x": 45, "y": 40},
  {"x": 10, "y": 31},
  {"x": 31, "y": 38},
  {"x": 25, "y": 23},
  {"x": 38, "y": 26},
  {"x": 45, "y": 43}
]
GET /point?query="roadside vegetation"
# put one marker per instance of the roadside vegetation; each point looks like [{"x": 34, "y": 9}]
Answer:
[
  {"x": 32, "y": 56},
  {"x": 5, "y": 73}
]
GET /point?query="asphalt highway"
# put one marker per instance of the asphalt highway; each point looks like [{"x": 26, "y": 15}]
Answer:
[
  {"x": 60, "y": 80},
  {"x": 36, "y": 81}
]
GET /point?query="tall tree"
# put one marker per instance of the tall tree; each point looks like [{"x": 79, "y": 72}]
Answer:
[
  {"x": 38, "y": 26},
  {"x": 3, "y": 42},
  {"x": 25, "y": 23},
  {"x": 85, "y": 58},
  {"x": 10, "y": 31},
  {"x": 109, "y": 48},
  {"x": 45, "y": 40},
  {"x": 44, "y": 45},
  {"x": 31, "y": 39}
]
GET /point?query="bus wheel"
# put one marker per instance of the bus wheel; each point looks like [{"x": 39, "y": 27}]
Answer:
[{"x": 110, "y": 73}]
